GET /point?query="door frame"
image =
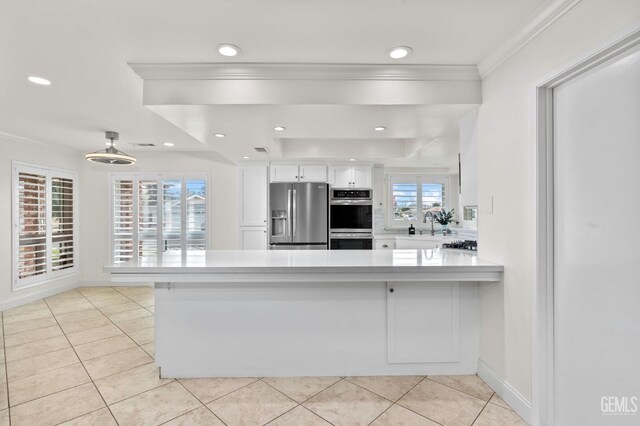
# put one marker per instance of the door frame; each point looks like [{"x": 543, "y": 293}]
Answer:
[{"x": 544, "y": 308}]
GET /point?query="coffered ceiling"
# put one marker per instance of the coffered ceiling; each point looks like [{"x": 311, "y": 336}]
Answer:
[{"x": 84, "y": 47}]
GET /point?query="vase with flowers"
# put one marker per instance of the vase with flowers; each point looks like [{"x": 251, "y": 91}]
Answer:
[{"x": 444, "y": 218}]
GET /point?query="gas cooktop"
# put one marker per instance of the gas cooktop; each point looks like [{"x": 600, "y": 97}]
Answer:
[{"x": 462, "y": 245}]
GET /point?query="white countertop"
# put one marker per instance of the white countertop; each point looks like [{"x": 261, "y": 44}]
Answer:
[{"x": 288, "y": 265}]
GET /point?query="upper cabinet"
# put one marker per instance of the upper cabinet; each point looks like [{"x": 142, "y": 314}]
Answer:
[
  {"x": 254, "y": 187},
  {"x": 469, "y": 159},
  {"x": 298, "y": 173},
  {"x": 347, "y": 176}
]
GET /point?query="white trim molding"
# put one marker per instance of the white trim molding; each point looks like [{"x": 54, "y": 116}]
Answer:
[
  {"x": 544, "y": 17},
  {"x": 543, "y": 395},
  {"x": 511, "y": 396},
  {"x": 296, "y": 71}
]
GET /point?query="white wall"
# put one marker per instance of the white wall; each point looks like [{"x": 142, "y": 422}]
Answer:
[
  {"x": 506, "y": 138},
  {"x": 222, "y": 216},
  {"x": 14, "y": 148}
]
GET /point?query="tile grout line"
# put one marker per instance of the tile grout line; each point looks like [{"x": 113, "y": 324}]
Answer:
[
  {"x": 481, "y": 411},
  {"x": 414, "y": 412},
  {"x": 396, "y": 401},
  {"x": 466, "y": 393},
  {"x": 300, "y": 403},
  {"x": 200, "y": 401},
  {"x": 81, "y": 363}
]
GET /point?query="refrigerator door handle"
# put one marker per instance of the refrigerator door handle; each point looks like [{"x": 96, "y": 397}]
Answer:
[
  {"x": 289, "y": 215},
  {"x": 293, "y": 219}
]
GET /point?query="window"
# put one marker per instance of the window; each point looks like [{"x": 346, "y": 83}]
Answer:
[
  {"x": 411, "y": 197},
  {"x": 153, "y": 214},
  {"x": 45, "y": 224}
]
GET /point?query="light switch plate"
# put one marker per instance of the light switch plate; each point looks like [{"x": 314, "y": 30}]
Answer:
[{"x": 488, "y": 204}]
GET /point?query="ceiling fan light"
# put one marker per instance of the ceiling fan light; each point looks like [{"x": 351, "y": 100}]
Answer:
[{"x": 110, "y": 155}]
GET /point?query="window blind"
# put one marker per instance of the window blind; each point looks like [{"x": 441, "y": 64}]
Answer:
[
  {"x": 123, "y": 220},
  {"x": 32, "y": 233},
  {"x": 62, "y": 224},
  {"x": 45, "y": 223},
  {"x": 153, "y": 214},
  {"x": 412, "y": 197}
]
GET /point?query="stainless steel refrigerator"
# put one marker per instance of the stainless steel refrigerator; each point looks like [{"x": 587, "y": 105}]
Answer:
[{"x": 298, "y": 216}]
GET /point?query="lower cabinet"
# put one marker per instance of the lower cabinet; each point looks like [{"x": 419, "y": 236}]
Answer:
[
  {"x": 254, "y": 238},
  {"x": 386, "y": 244},
  {"x": 423, "y": 322}
]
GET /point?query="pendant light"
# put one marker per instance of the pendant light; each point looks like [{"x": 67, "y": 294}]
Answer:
[{"x": 110, "y": 155}]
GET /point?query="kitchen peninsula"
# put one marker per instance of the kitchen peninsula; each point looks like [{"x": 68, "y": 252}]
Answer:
[{"x": 300, "y": 313}]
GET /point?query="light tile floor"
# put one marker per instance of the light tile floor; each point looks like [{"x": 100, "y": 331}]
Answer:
[{"x": 85, "y": 357}]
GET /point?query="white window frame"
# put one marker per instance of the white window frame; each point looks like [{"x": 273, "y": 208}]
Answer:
[
  {"x": 49, "y": 275},
  {"x": 418, "y": 179},
  {"x": 158, "y": 177}
]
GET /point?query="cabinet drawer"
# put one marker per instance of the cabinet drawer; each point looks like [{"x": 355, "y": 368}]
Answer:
[{"x": 384, "y": 244}]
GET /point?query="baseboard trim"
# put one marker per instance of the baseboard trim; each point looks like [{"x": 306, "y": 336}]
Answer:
[
  {"x": 511, "y": 396},
  {"x": 107, "y": 283},
  {"x": 23, "y": 299}
]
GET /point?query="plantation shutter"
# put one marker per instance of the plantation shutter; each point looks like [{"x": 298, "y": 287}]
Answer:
[
  {"x": 32, "y": 226},
  {"x": 123, "y": 220},
  {"x": 62, "y": 224},
  {"x": 147, "y": 217},
  {"x": 45, "y": 224}
]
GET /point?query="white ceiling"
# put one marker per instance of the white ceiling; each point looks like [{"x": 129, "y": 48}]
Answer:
[{"x": 84, "y": 46}]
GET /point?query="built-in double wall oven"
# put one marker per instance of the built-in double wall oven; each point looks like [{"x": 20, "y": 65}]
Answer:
[{"x": 351, "y": 219}]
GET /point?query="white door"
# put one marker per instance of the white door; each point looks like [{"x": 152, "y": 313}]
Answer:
[
  {"x": 313, "y": 173},
  {"x": 253, "y": 196},
  {"x": 341, "y": 176},
  {"x": 284, "y": 173},
  {"x": 362, "y": 177},
  {"x": 597, "y": 259},
  {"x": 253, "y": 238},
  {"x": 423, "y": 322}
]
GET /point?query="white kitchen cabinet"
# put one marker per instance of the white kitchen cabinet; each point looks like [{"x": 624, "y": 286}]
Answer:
[
  {"x": 362, "y": 176},
  {"x": 386, "y": 244},
  {"x": 350, "y": 176},
  {"x": 253, "y": 238},
  {"x": 313, "y": 173},
  {"x": 341, "y": 176},
  {"x": 284, "y": 173},
  {"x": 297, "y": 173},
  {"x": 423, "y": 322},
  {"x": 253, "y": 182}
]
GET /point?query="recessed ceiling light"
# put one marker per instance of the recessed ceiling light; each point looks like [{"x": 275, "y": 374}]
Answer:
[
  {"x": 245, "y": 157},
  {"x": 279, "y": 128},
  {"x": 352, "y": 159},
  {"x": 399, "y": 52},
  {"x": 219, "y": 135},
  {"x": 379, "y": 128},
  {"x": 39, "y": 80},
  {"x": 169, "y": 144},
  {"x": 226, "y": 49}
]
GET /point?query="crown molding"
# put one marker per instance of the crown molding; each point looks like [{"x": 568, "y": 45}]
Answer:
[
  {"x": 23, "y": 139},
  {"x": 297, "y": 71},
  {"x": 544, "y": 17}
]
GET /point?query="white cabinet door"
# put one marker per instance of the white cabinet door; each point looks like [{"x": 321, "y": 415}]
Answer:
[
  {"x": 313, "y": 173},
  {"x": 284, "y": 173},
  {"x": 253, "y": 238},
  {"x": 253, "y": 195},
  {"x": 361, "y": 177},
  {"x": 423, "y": 322},
  {"x": 341, "y": 176},
  {"x": 384, "y": 244}
]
